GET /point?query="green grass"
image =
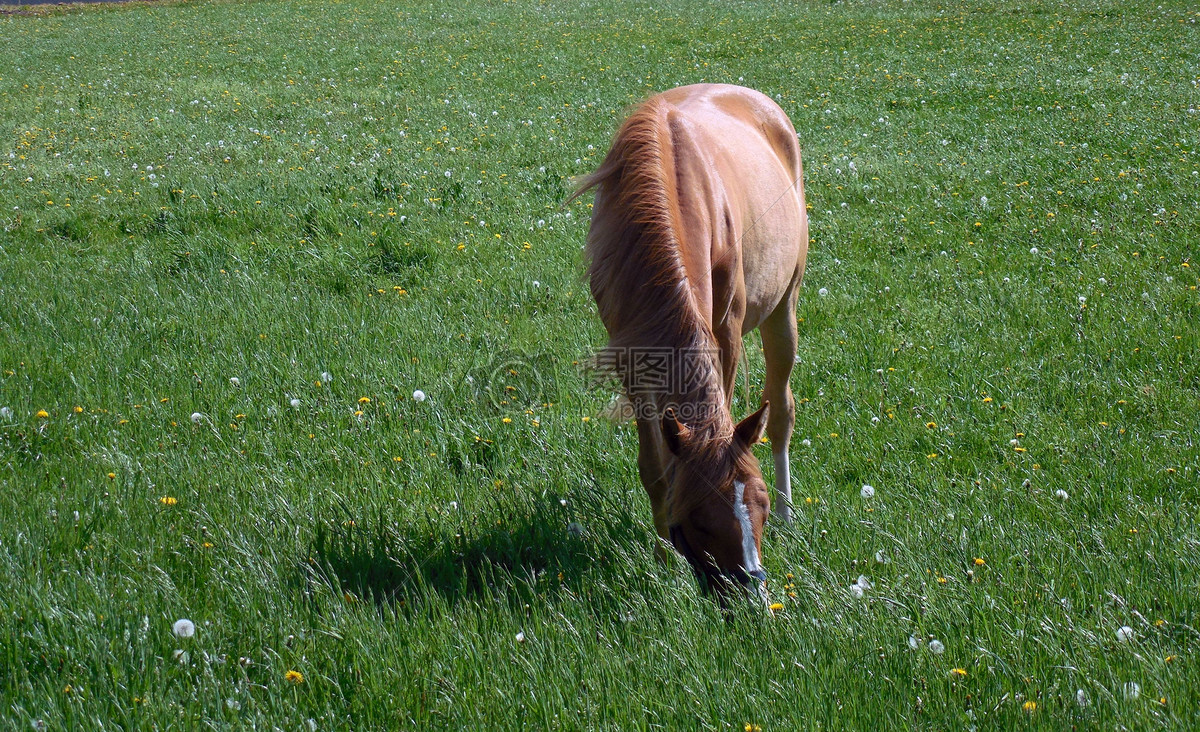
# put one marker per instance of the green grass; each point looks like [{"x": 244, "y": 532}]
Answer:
[{"x": 300, "y": 219}]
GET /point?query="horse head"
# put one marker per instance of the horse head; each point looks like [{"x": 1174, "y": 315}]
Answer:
[{"x": 719, "y": 503}]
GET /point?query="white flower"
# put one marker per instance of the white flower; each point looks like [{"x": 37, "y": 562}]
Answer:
[
  {"x": 1124, "y": 633},
  {"x": 295, "y": 403},
  {"x": 856, "y": 591},
  {"x": 936, "y": 647},
  {"x": 521, "y": 637},
  {"x": 983, "y": 200},
  {"x": 1061, "y": 494},
  {"x": 448, "y": 174},
  {"x": 196, "y": 417},
  {"x": 5, "y": 413},
  {"x": 1132, "y": 690},
  {"x": 184, "y": 628},
  {"x": 822, "y": 292},
  {"x": 867, "y": 492},
  {"x": 1081, "y": 698},
  {"x": 326, "y": 377},
  {"x": 1033, "y": 251},
  {"x": 1103, "y": 282},
  {"x": 418, "y": 396},
  {"x": 806, "y": 442},
  {"x": 235, "y": 381}
]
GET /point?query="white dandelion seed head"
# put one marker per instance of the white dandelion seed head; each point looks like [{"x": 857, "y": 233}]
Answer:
[
  {"x": 823, "y": 292},
  {"x": 1103, "y": 282},
  {"x": 184, "y": 628},
  {"x": 418, "y": 396},
  {"x": 806, "y": 442},
  {"x": 880, "y": 557},
  {"x": 181, "y": 656},
  {"x": 937, "y": 647},
  {"x": 874, "y": 420},
  {"x": 196, "y": 417},
  {"x": 575, "y": 529},
  {"x": 863, "y": 582},
  {"x": 521, "y": 637},
  {"x": 235, "y": 381},
  {"x": 5, "y": 413},
  {"x": 326, "y": 377},
  {"x": 449, "y": 174},
  {"x": 1061, "y": 494},
  {"x": 295, "y": 403},
  {"x": 1124, "y": 634},
  {"x": 983, "y": 200},
  {"x": 537, "y": 284},
  {"x": 1081, "y": 698},
  {"x": 233, "y": 705},
  {"x": 454, "y": 505},
  {"x": 856, "y": 591},
  {"x": 914, "y": 642},
  {"x": 867, "y": 492},
  {"x": 1033, "y": 251},
  {"x": 1133, "y": 690}
]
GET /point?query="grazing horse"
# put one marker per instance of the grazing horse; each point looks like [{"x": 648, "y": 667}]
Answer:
[{"x": 698, "y": 236}]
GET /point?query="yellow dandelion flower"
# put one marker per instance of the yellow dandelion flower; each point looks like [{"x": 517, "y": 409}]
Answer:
[
  {"x": 930, "y": 425},
  {"x": 364, "y": 400},
  {"x": 168, "y": 500},
  {"x": 507, "y": 420},
  {"x": 958, "y": 672},
  {"x": 987, "y": 400},
  {"x": 295, "y": 677},
  {"x": 776, "y": 606},
  {"x": 1019, "y": 449},
  {"x": 941, "y": 580},
  {"x": 112, "y": 476},
  {"x": 979, "y": 562},
  {"x": 42, "y": 414},
  {"x": 1029, "y": 706},
  {"x": 78, "y": 410}
]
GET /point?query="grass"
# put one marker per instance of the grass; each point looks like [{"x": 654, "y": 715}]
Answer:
[{"x": 348, "y": 201}]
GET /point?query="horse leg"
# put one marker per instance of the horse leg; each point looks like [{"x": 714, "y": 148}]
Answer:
[
  {"x": 651, "y": 471},
  {"x": 779, "y": 339}
]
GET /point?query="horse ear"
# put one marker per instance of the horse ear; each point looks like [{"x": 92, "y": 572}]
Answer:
[
  {"x": 750, "y": 430},
  {"x": 674, "y": 432}
]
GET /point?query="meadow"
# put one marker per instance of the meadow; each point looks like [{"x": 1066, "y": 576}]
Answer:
[{"x": 238, "y": 238}]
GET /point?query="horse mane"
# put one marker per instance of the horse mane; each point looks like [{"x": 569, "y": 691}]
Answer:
[{"x": 637, "y": 273}]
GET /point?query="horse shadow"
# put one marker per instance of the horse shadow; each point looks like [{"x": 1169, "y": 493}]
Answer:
[{"x": 524, "y": 546}]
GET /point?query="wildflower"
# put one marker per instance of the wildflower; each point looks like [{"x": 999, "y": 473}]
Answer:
[
  {"x": 196, "y": 417},
  {"x": 930, "y": 425},
  {"x": 913, "y": 642},
  {"x": 1061, "y": 494},
  {"x": 112, "y": 476},
  {"x": 867, "y": 492},
  {"x": 294, "y": 677},
  {"x": 235, "y": 381},
  {"x": 364, "y": 400},
  {"x": 184, "y": 628},
  {"x": 42, "y": 414},
  {"x": 295, "y": 403},
  {"x": 822, "y": 292},
  {"x": 1124, "y": 634},
  {"x": 937, "y": 647},
  {"x": 418, "y": 396},
  {"x": 1081, "y": 698},
  {"x": 979, "y": 562},
  {"x": 776, "y": 606},
  {"x": 863, "y": 582},
  {"x": 1029, "y": 706},
  {"x": 78, "y": 410},
  {"x": 507, "y": 420},
  {"x": 521, "y": 637},
  {"x": 1033, "y": 251},
  {"x": 5, "y": 413},
  {"x": 857, "y": 591},
  {"x": 326, "y": 377},
  {"x": 958, "y": 672}
]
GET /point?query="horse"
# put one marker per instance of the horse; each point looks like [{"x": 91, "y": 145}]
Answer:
[{"x": 699, "y": 235}]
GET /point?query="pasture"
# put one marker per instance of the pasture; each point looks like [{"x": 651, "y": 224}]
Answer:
[{"x": 236, "y": 238}]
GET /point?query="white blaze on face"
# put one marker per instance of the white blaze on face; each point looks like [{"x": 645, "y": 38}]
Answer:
[{"x": 750, "y": 561}]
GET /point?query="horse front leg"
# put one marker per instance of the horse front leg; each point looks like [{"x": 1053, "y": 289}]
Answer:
[{"x": 779, "y": 340}]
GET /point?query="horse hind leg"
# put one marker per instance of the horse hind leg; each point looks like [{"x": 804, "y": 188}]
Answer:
[{"x": 779, "y": 341}]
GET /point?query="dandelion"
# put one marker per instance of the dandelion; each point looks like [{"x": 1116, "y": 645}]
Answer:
[
  {"x": 867, "y": 492},
  {"x": 1132, "y": 690},
  {"x": 937, "y": 647},
  {"x": 1029, "y": 706},
  {"x": 364, "y": 400},
  {"x": 235, "y": 381},
  {"x": 184, "y": 628},
  {"x": 295, "y": 403},
  {"x": 181, "y": 656},
  {"x": 294, "y": 677},
  {"x": 822, "y": 292},
  {"x": 880, "y": 557},
  {"x": 326, "y": 377},
  {"x": 857, "y": 591},
  {"x": 863, "y": 582},
  {"x": 1124, "y": 634},
  {"x": 418, "y": 396},
  {"x": 1061, "y": 494},
  {"x": 958, "y": 672},
  {"x": 196, "y": 417},
  {"x": 521, "y": 637},
  {"x": 979, "y": 562},
  {"x": 914, "y": 642},
  {"x": 1033, "y": 251},
  {"x": 42, "y": 414},
  {"x": 6, "y": 413},
  {"x": 168, "y": 500},
  {"x": 776, "y": 606},
  {"x": 1081, "y": 698}
]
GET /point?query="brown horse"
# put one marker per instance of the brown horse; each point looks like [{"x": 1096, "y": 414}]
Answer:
[{"x": 698, "y": 236}]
